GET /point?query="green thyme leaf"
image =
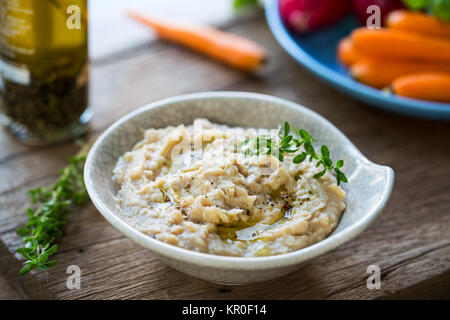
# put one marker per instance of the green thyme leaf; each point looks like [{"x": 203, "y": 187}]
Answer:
[
  {"x": 287, "y": 129},
  {"x": 300, "y": 157},
  {"x": 320, "y": 174},
  {"x": 325, "y": 152},
  {"x": 290, "y": 144},
  {"x": 46, "y": 223},
  {"x": 340, "y": 176}
]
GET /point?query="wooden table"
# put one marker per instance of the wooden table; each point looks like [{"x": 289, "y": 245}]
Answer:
[{"x": 410, "y": 241}]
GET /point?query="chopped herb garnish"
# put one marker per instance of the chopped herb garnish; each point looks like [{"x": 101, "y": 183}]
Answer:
[{"x": 288, "y": 143}]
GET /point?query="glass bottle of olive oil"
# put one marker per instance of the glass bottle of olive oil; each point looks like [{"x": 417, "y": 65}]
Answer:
[{"x": 44, "y": 69}]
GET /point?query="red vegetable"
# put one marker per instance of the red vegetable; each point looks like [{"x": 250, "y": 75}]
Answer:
[
  {"x": 308, "y": 15},
  {"x": 386, "y": 6}
]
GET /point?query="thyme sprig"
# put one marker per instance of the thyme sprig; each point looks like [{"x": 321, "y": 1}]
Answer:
[
  {"x": 46, "y": 223},
  {"x": 288, "y": 143}
]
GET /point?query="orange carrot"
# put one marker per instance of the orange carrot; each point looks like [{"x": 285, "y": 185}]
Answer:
[
  {"x": 347, "y": 53},
  {"x": 231, "y": 49},
  {"x": 401, "y": 44},
  {"x": 379, "y": 73},
  {"x": 418, "y": 22},
  {"x": 427, "y": 86}
]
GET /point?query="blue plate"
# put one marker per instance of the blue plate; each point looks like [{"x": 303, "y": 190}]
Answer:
[{"x": 317, "y": 53}]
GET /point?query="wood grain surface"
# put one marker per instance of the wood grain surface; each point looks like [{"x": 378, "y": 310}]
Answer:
[{"x": 410, "y": 241}]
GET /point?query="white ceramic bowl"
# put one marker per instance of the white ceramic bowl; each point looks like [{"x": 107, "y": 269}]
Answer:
[{"x": 368, "y": 189}]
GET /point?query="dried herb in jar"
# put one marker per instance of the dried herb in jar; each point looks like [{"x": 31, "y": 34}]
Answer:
[{"x": 44, "y": 68}]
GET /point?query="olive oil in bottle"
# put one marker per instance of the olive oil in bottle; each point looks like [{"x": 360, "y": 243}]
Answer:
[{"x": 44, "y": 69}]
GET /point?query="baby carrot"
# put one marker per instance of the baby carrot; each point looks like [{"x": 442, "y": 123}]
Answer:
[
  {"x": 347, "y": 53},
  {"x": 231, "y": 49},
  {"x": 379, "y": 73},
  {"x": 418, "y": 22},
  {"x": 427, "y": 86},
  {"x": 401, "y": 44}
]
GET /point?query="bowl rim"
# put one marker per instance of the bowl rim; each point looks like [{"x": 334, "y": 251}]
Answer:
[{"x": 231, "y": 262}]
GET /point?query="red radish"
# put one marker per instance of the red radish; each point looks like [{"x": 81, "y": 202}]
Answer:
[
  {"x": 309, "y": 15},
  {"x": 386, "y": 6}
]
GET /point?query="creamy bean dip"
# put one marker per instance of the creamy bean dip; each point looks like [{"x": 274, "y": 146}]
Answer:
[{"x": 189, "y": 187}]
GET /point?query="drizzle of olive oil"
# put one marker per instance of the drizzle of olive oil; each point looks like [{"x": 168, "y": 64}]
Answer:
[
  {"x": 263, "y": 252},
  {"x": 165, "y": 196},
  {"x": 168, "y": 164},
  {"x": 250, "y": 231},
  {"x": 174, "y": 197},
  {"x": 230, "y": 232},
  {"x": 276, "y": 194}
]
